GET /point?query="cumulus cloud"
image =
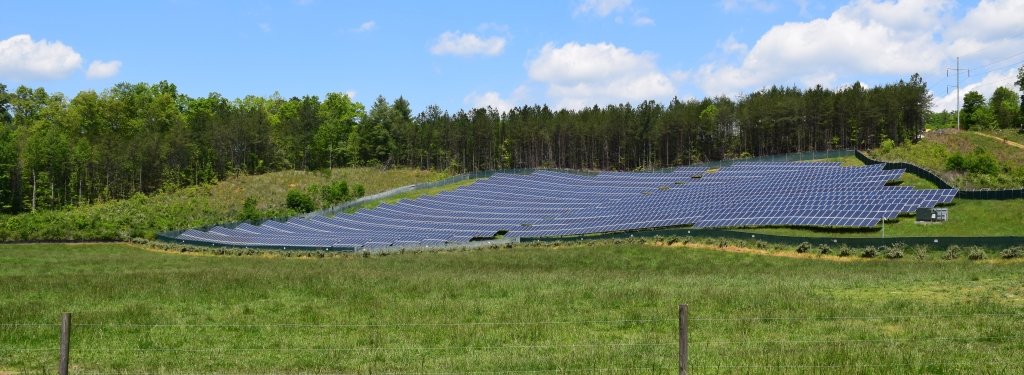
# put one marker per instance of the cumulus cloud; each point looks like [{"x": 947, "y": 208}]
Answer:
[
  {"x": 581, "y": 75},
  {"x": 22, "y": 58},
  {"x": 601, "y": 8},
  {"x": 103, "y": 69},
  {"x": 494, "y": 99},
  {"x": 985, "y": 86},
  {"x": 988, "y": 30},
  {"x": 456, "y": 43},
  {"x": 863, "y": 37},
  {"x": 366, "y": 26}
]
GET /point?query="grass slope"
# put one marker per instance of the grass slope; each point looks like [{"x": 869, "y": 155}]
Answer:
[
  {"x": 932, "y": 152},
  {"x": 580, "y": 309},
  {"x": 144, "y": 216}
]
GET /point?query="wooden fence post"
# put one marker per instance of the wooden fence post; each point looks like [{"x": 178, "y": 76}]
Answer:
[
  {"x": 683, "y": 353},
  {"x": 65, "y": 343}
]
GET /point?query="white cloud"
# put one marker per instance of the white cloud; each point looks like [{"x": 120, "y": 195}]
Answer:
[
  {"x": 761, "y": 5},
  {"x": 990, "y": 30},
  {"x": 366, "y": 26},
  {"x": 488, "y": 99},
  {"x": 351, "y": 94},
  {"x": 494, "y": 99},
  {"x": 264, "y": 27},
  {"x": 864, "y": 37},
  {"x": 103, "y": 69},
  {"x": 456, "y": 43},
  {"x": 985, "y": 86},
  {"x": 581, "y": 75},
  {"x": 601, "y": 8},
  {"x": 21, "y": 58},
  {"x": 643, "y": 21},
  {"x": 731, "y": 46}
]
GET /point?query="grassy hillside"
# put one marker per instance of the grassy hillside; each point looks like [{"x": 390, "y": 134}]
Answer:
[
  {"x": 1003, "y": 166},
  {"x": 144, "y": 216},
  {"x": 594, "y": 308}
]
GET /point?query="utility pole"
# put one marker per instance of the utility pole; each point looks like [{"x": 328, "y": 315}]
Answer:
[{"x": 957, "y": 70}]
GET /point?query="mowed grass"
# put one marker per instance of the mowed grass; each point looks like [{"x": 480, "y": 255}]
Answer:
[
  {"x": 967, "y": 218},
  {"x": 584, "y": 308},
  {"x": 222, "y": 202},
  {"x": 410, "y": 195}
]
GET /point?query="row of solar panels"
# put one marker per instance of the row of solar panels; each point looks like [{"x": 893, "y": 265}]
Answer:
[{"x": 549, "y": 203}]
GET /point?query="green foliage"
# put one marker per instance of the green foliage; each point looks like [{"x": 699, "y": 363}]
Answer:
[
  {"x": 299, "y": 201},
  {"x": 359, "y": 191},
  {"x": 249, "y": 210},
  {"x": 1012, "y": 252},
  {"x": 979, "y": 161},
  {"x": 803, "y": 247},
  {"x": 976, "y": 253},
  {"x": 892, "y": 252},
  {"x": 149, "y": 138},
  {"x": 965, "y": 159},
  {"x": 952, "y": 252},
  {"x": 824, "y": 249},
  {"x": 335, "y": 193},
  {"x": 195, "y": 206},
  {"x": 869, "y": 252},
  {"x": 845, "y": 251}
]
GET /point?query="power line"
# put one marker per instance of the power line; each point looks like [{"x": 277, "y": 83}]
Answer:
[{"x": 957, "y": 70}]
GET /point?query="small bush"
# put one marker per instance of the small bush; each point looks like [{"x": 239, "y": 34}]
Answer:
[
  {"x": 299, "y": 201},
  {"x": 824, "y": 249},
  {"x": 976, "y": 253},
  {"x": 894, "y": 253},
  {"x": 920, "y": 252},
  {"x": 1013, "y": 252},
  {"x": 952, "y": 252},
  {"x": 803, "y": 247},
  {"x": 844, "y": 251},
  {"x": 869, "y": 252},
  {"x": 249, "y": 210},
  {"x": 358, "y": 191}
]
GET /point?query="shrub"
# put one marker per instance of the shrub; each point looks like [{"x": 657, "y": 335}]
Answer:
[
  {"x": 869, "y": 252},
  {"x": 1012, "y": 252},
  {"x": 803, "y": 247},
  {"x": 335, "y": 193},
  {"x": 358, "y": 191},
  {"x": 894, "y": 253},
  {"x": 921, "y": 252},
  {"x": 844, "y": 251},
  {"x": 976, "y": 253},
  {"x": 249, "y": 210},
  {"x": 824, "y": 249},
  {"x": 299, "y": 201},
  {"x": 952, "y": 252}
]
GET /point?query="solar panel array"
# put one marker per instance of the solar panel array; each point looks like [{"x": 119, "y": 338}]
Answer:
[{"x": 547, "y": 203}]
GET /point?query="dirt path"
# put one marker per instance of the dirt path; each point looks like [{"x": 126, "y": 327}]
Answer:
[{"x": 1009, "y": 142}]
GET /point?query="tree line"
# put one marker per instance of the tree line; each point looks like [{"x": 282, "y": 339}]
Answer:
[{"x": 57, "y": 151}]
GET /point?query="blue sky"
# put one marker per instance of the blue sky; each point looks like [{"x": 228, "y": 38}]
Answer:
[{"x": 462, "y": 54}]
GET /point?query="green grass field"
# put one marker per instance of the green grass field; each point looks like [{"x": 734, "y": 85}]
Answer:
[{"x": 587, "y": 308}]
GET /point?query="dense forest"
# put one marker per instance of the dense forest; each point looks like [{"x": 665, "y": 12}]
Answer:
[{"x": 57, "y": 151}]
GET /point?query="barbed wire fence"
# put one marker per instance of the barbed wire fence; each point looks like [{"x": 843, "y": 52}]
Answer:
[{"x": 64, "y": 351}]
